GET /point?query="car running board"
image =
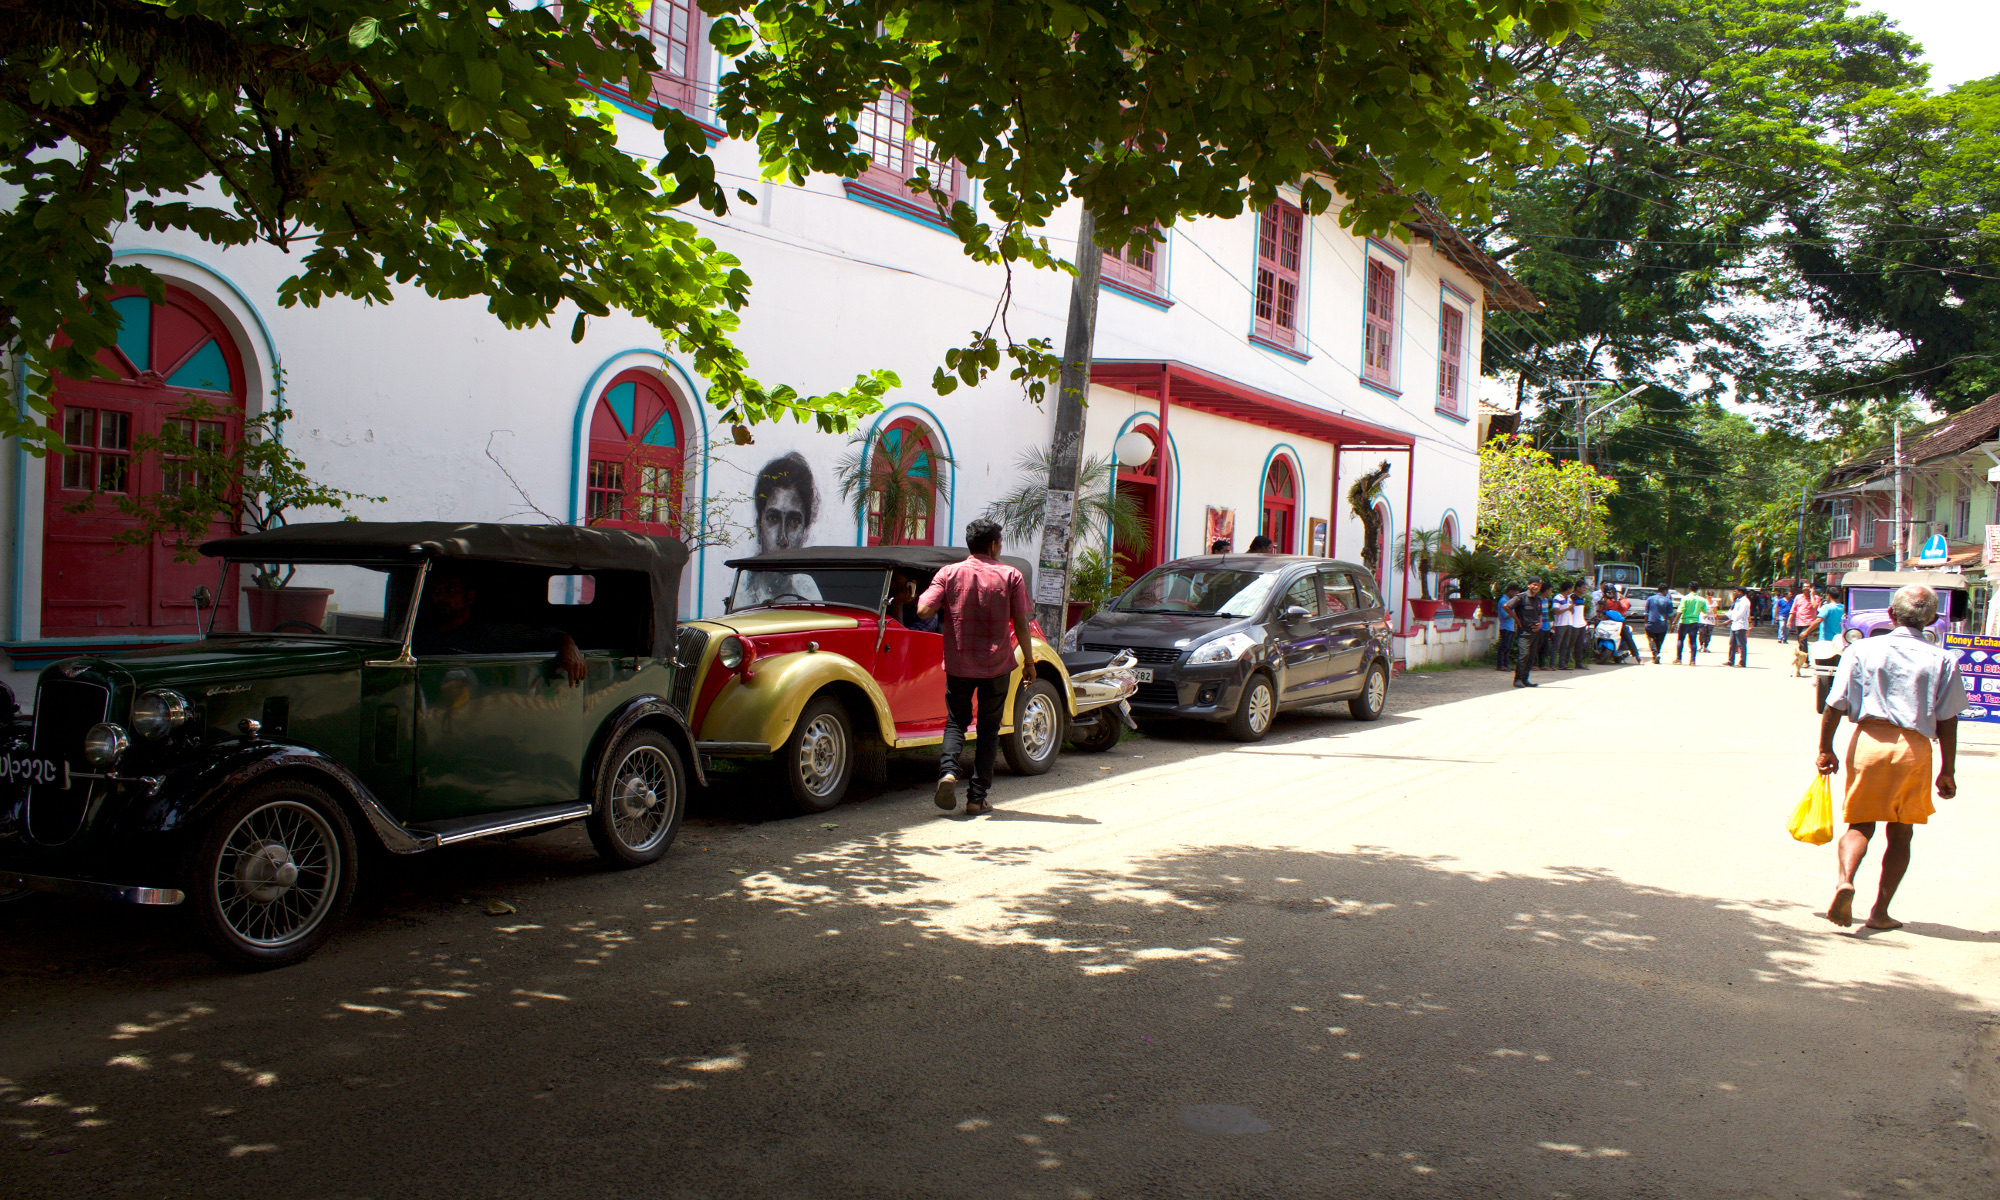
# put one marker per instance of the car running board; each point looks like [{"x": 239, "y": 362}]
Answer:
[{"x": 466, "y": 829}]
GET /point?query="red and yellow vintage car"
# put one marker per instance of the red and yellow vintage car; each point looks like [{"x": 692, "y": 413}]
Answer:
[{"x": 821, "y": 660}]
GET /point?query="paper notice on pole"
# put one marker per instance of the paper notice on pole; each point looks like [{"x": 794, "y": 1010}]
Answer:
[
  {"x": 1049, "y": 586},
  {"x": 1056, "y": 525}
]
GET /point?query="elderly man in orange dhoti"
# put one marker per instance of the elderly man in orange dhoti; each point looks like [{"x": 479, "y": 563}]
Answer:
[{"x": 1901, "y": 692}]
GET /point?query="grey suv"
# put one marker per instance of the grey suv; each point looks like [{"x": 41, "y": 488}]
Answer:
[{"x": 1237, "y": 638}]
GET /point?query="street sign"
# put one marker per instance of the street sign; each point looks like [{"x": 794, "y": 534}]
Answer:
[
  {"x": 1936, "y": 551},
  {"x": 1990, "y": 553},
  {"x": 1979, "y": 665}
]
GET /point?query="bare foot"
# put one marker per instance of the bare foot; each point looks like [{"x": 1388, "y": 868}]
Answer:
[
  {"x": 1841, "y": 911},
  {"x": 1881, "y": 923}
]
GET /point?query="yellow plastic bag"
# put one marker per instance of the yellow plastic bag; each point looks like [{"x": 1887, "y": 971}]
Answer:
[{"x": 1812, "y": 820}]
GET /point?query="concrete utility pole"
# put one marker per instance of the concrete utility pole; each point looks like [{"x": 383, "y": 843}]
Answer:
[
  {"x": 1584, "y": 416},
  {"x": 1799, "y": 555},
  {"x": 1902, "y": 550},
  {"x": 1066, "y": 449}
]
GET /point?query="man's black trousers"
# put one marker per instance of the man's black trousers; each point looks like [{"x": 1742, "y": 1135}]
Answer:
[{"x": 958, "y": 693}]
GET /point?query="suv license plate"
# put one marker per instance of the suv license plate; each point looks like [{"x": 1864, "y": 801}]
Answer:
[
  {"x": 1144, "y": 674},
  {"x": 29, "y": 768}
]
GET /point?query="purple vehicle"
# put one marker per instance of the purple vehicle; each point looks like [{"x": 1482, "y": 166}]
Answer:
[{"x": 1868, "y": 594}]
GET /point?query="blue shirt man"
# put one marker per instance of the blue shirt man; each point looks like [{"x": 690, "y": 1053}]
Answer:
[{"x": 1831, "y": 616}]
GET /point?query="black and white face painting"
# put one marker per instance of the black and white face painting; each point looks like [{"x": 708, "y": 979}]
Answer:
[{"x": 786, "y": 500}]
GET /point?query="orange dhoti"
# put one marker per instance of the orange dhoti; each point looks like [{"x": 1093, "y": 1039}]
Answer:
[{"x": 1888, "y": 775}]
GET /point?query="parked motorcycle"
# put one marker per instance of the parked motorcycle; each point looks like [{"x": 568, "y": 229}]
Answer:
[
  {"x": 1611, "y": 641},
  {"x": 1103, "y": 685}
]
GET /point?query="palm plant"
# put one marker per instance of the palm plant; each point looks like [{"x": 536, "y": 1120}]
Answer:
[
  {"x": 905, "y": 472},
  {"x": 1422, "y": 555},
  {"x": 1099, "y": 505},
  {"x": 1475, "y": 570}
]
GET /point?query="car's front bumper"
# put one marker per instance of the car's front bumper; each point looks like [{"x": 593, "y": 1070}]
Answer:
[
  {"x": 1205, "y": 693},
  {"x": 91, "y": 889}
]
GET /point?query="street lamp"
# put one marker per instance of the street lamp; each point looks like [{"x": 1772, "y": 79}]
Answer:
[{"x": 1133, "y": 450}]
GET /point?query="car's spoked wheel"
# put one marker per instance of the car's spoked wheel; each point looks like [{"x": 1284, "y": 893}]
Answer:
[
  {"x": 1374, "y": 697},
  {"x": 641, "y": 796},
  {"x": 1253, "y": 715},
  {"x": 1038, "y": 730},
  {"x": 818, "y": 758},
  {"x": 272, "y": 874}
]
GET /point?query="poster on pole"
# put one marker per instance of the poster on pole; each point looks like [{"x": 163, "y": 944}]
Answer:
[
  {"x": 1052, "y": 580},
  {"x": 1979, "y": 665}
]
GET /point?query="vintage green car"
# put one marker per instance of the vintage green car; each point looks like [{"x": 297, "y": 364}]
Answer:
[
  {"x": 818, "y": 662},
  {"x": 468, "y": 681}
]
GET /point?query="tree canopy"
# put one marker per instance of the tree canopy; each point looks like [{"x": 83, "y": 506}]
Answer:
[
  {"x": 1533, "y": 507},
  {"x": 460, "y": 149}
]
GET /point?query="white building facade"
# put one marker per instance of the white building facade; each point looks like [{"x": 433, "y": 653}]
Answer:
[{"x": 1276, "y": 356}]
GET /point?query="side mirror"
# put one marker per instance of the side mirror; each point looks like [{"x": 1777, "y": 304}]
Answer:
[
  {"x": 729, "y": 604},
  {"x": 1295, "y": 613}
]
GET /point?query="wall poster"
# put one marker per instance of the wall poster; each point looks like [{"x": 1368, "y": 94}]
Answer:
[{"x": 1221, "y": 527}]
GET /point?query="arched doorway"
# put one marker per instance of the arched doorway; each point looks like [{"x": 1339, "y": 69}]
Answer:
[
  {"x": 1281, "y": 503},
  {"x": 168, "y": 355},
  {"x": 904, "y": 474},
  {"x": 1141, "y": 484},
  {"x": 637, "y": 464}
]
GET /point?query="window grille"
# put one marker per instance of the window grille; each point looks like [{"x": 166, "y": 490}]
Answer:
[
  {"x": 1451, "y": 357},
  {"x": 1280, "y": 253},
  {"x": 1379, "y": 360}
]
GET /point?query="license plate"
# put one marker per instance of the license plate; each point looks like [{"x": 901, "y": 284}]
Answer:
[
  {"x": 1144, "y": 674},
  {"x": 29, "y": 768}
]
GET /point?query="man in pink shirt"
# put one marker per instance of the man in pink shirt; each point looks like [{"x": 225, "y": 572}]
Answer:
[
  {"x": 982, "y": 600},
  {"x": 1805, "y": 615}
]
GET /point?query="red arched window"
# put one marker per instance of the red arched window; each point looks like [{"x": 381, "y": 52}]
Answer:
[
  {"x": 904, "y": 475},
  {"x": 636, "y": 476},
  {"x": 168, "y": 356},
  {"x": 1141, "y": 485},
  {"x": 1450, "y": 540},
  {"x": 1281, "y": 504}
]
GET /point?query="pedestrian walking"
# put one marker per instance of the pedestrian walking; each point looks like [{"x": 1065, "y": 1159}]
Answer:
[
  {"x": 1693, "y": 605},
  {"x": 1901, "y": 692},
  {"x": 1659, "y": 621},
  {"x": 1782, "y": 614},
  {"x": 1739, "y": 630},
  {"x": 1706, "y": 620},
  {"x": 1564, "y": 620},
  {"x": 981, "y": 598},
  {"x": 1508, "y": 637},
  {"x": 1528, "y": 607},
  {"x": 1805, "y": 615}
]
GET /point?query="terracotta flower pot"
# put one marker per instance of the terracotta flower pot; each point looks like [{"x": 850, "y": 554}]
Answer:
[
  {"x": 272, "y": 607},
  {"x": 1465, "y": 610},
  {"x": 1424, "y": 610}
]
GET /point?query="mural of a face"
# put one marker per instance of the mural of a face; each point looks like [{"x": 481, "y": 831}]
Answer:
[{"x": 786, "y": 501}]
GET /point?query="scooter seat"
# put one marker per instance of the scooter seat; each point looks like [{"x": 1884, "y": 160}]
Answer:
[{"x": 1078, "y": 661}]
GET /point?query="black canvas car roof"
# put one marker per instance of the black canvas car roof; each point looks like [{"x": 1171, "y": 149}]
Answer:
[
  {"x": 913, "y": 558},
  {"x": 578, "y": 548}
]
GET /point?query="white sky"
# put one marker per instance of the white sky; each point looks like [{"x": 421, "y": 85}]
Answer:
[{"x": 1958, "y": 36}]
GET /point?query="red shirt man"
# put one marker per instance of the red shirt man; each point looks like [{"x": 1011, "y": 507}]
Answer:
[{"x": 983, "y": 601}]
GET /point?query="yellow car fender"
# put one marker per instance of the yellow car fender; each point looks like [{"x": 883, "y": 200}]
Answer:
[{"x": 766, "y": 706}]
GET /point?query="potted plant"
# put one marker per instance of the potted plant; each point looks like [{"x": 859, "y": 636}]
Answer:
[
  {"x": 1476, "y": 572},
  {"x": 1100, "y": 509},
  {"x": 894, "y": 485},
  {"x": 246, "y": 485},
  {"x": 1095, "y": 582},
  {"x": 1422, "y": 558}
]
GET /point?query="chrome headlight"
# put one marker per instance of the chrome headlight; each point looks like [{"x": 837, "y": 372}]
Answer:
[
  {"x": 1852, "y": 635},
  {"x": 1072, "y": 638},
  {"x": 1931, "y": 636},
  {"x": 105, "y": 744},
  {"x": 1227, "y": 648},
  {"x": 730, "y": 653},
  {"x": 157, "y": 714}
]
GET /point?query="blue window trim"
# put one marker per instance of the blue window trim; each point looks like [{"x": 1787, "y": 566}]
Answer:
[
  {"x": 1372, "y": 386},
  {"x": 1400, "y": 267},
  {"x": 1169, "y": 547},
  {"x": 935, "y": 424},
  {"x": 1401, "y": 256},
  {"x": 1463, "y": 298},
  {"x": 1299, "y": 527},
  {"x": 1131, "y": 293},
  {"x": 1263, "y": 343},
  {"x": 861, "y": 193},
  {"x": 644, "y": 110},
  {"x": 1450, "y": 416}
]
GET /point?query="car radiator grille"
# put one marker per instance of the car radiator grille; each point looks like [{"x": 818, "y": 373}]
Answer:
[
  {"x": 688, "y": 648},
  {"x": 1157, "y": 693},
  {"x": 1145, "y": 654},
  {"x": 65, "y": 709}
]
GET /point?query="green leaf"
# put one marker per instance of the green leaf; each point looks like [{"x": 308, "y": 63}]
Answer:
[{"x": 362, "y": 33}]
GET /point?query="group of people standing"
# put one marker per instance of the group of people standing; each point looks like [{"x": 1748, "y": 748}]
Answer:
[{"x": 1553, "y": 628}]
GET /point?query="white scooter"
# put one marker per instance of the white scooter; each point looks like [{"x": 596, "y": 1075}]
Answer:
[{"x": 1102, "y": 685}]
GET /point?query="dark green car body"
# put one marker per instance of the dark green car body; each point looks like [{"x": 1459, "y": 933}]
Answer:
[{"x": 417, "y": 750}]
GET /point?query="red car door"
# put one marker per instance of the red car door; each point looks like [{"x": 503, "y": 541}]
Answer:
[{"x": 910, "y": 670}]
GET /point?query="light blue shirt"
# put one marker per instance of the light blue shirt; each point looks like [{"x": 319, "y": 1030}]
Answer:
[{"x": 1899, "y": 678}]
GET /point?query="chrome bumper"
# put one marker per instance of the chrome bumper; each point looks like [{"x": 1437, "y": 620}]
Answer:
[{"x": 90, "y": 889}]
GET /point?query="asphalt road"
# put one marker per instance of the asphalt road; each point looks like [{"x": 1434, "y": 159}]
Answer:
[{"x": 1548, "y": 943}]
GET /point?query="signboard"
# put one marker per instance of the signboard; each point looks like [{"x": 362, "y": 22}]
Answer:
[
  {"x": 1936, "y": 551},
  {"x": 1979, "y": 664},
  {"x": 1989, "y": 554}
]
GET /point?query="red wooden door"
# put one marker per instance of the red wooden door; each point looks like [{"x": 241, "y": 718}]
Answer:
[
  {"x": 166, "y": 354},
  {"x": 1280, "y": 505}
]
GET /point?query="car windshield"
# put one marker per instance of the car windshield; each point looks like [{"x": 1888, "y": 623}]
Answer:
[
  {"x": 1202, "y": 591},
  {"x": 1951, "y": 605},
  {"x": 854, "y": 587},
  {"x": 343, "y": 600}
]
